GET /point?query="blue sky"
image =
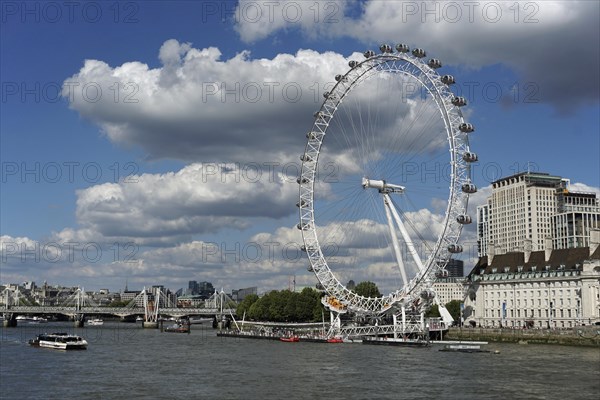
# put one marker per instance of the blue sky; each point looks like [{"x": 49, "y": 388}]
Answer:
[{"x": 129, "y": 184}]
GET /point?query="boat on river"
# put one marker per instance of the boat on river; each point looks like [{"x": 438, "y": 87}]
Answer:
[
  {"x": 178, "y": 328},
  {"x": 198, "y": 320},
  {"x": 59, "y": 341},
  {"x": 464, "y": 348},
  {"x": 95, "y": 322},
  {"x": 396, "y": 342},
  {"x": 290, "y": 339},
  {"x": 31, "y": 320}
]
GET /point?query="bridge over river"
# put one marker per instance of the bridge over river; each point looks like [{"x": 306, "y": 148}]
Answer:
[{"x": 154, "y": 307}]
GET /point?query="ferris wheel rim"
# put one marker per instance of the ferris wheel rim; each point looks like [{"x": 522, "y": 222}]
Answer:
[{"x": 457, "y": 201}]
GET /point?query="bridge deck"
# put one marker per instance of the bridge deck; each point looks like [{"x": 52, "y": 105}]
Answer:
[{"x": 120, "y": 311}]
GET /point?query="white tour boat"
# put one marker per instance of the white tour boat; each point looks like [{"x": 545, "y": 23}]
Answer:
[{"x": 60, "y": 341}]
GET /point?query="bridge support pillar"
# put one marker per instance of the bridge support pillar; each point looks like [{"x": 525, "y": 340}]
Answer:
[
  {"x": 10, "y": 320},
  {"x": 150, "y": 325},
  {"x": 78, "y": 320}
]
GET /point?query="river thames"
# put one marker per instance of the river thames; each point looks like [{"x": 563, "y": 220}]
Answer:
[{"x": 124, "y": 361}]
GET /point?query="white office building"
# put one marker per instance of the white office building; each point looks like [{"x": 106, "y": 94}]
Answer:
[
  {"x": 521, "y": 207},
  {"x": 526, "y": 208},
  {"x": 549, "y": 288},
  {"x": 577, "y": 214},
  {"x": 483, "y": 229},
  {"x": 448, "y": 289}
]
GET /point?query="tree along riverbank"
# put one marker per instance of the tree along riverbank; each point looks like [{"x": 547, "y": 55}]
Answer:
[{"x": 579, "y": 336}]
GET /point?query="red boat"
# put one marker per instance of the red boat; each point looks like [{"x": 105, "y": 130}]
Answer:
[
  {"x": 335, "y": 340},
  {"x": 290, "y": 339}
]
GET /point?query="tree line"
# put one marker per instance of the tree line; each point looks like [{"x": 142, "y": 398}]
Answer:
[
  {"x": 283, "y": 306},
  {"x": 288, "y": 306},
  {"x": 306, "y": 306}
]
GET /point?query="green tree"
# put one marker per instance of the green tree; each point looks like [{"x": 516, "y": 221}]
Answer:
[
  {"x": 433, "y": 312},
  {"x": 285, "y": 306},
  {"x": 453, "y": 308},
  {"x": 290, "y": 310},
  {"x": 277, "y": 305},
  {"x": 259, "y": 310},
  {"x": 245, "y": 305},
  {"x": 305, "y": 305},
  {"x": 367, "y": 289}
]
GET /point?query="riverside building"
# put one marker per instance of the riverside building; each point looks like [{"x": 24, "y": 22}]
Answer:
[
  {"x": 548, "y": 288},
  {"x": 521, "y": 207},
  {"x": 577, "y": 214},
  {"x": 448, "y": 289}
]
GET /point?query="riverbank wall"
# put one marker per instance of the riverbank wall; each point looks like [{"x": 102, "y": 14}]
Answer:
[{"x": 580, "y": 336}]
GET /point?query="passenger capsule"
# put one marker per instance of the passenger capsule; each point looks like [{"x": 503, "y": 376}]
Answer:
[
  {"x": 326, "y": 95},
  {"x": 402, "y": 48},
  {"x": 435, "y": 63},
  {"x": 385, "y": 48},
  {"x": 301, "y": 204},
  {"x": 369, "y": 53},
  {"x": 303, "y": 227},
  {"x": 352, "y": 63},
  {"x": 311, "y": 135},
  {"x": 305, "y": 157},
  {"x": 320, "y": 286},
  {"x": 464, "y": 219},
  {"x": 318, "y": 114},
  {"x": 301, "y": 180},
  {"x": 443, "y": 273},
  {"x": 465, "y": 127},
  {"x": 427, "y": 294},
  {"x": 455, "y": 248},
  {"x": 419, "y": 53},
  {"x": 338, "y": 77},
  {"x": 310, "y": 268},
  {"x": 469, "y": 188},
  {"x": 470, "y": 157},
  {"x": 459, "y": 101},
  {"x": 448, "y": 80}
]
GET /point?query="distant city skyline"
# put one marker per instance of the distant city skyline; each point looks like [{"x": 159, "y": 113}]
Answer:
[{"x": 156, "y": 144}]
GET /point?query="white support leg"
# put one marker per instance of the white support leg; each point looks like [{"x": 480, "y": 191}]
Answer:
[
  {"x": 335, "y": 327},
  {"x": 409, "y": 243},
  {"x": 387, "y": 206},
  {"x": 403, "y": 319}
]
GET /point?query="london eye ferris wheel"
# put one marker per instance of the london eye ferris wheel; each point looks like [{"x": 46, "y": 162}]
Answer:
[{"x": 394, "y": 131}]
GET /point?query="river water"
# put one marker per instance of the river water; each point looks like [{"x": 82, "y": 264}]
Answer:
[{"x": 124, "y": 361}]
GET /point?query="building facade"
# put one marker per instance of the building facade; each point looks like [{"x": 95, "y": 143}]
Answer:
[
  {"x": 240, "y": 294},
  {"x": 550, "y": 288},
  {"x": 521, "y": 207},
  {"x": 483, "y": 229},
  {"x": 448, "y": 289},
  {"x": 455, "y": 268},
  {"x": 526, "y": 208},
  {"x": 577, "y": 214}
]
